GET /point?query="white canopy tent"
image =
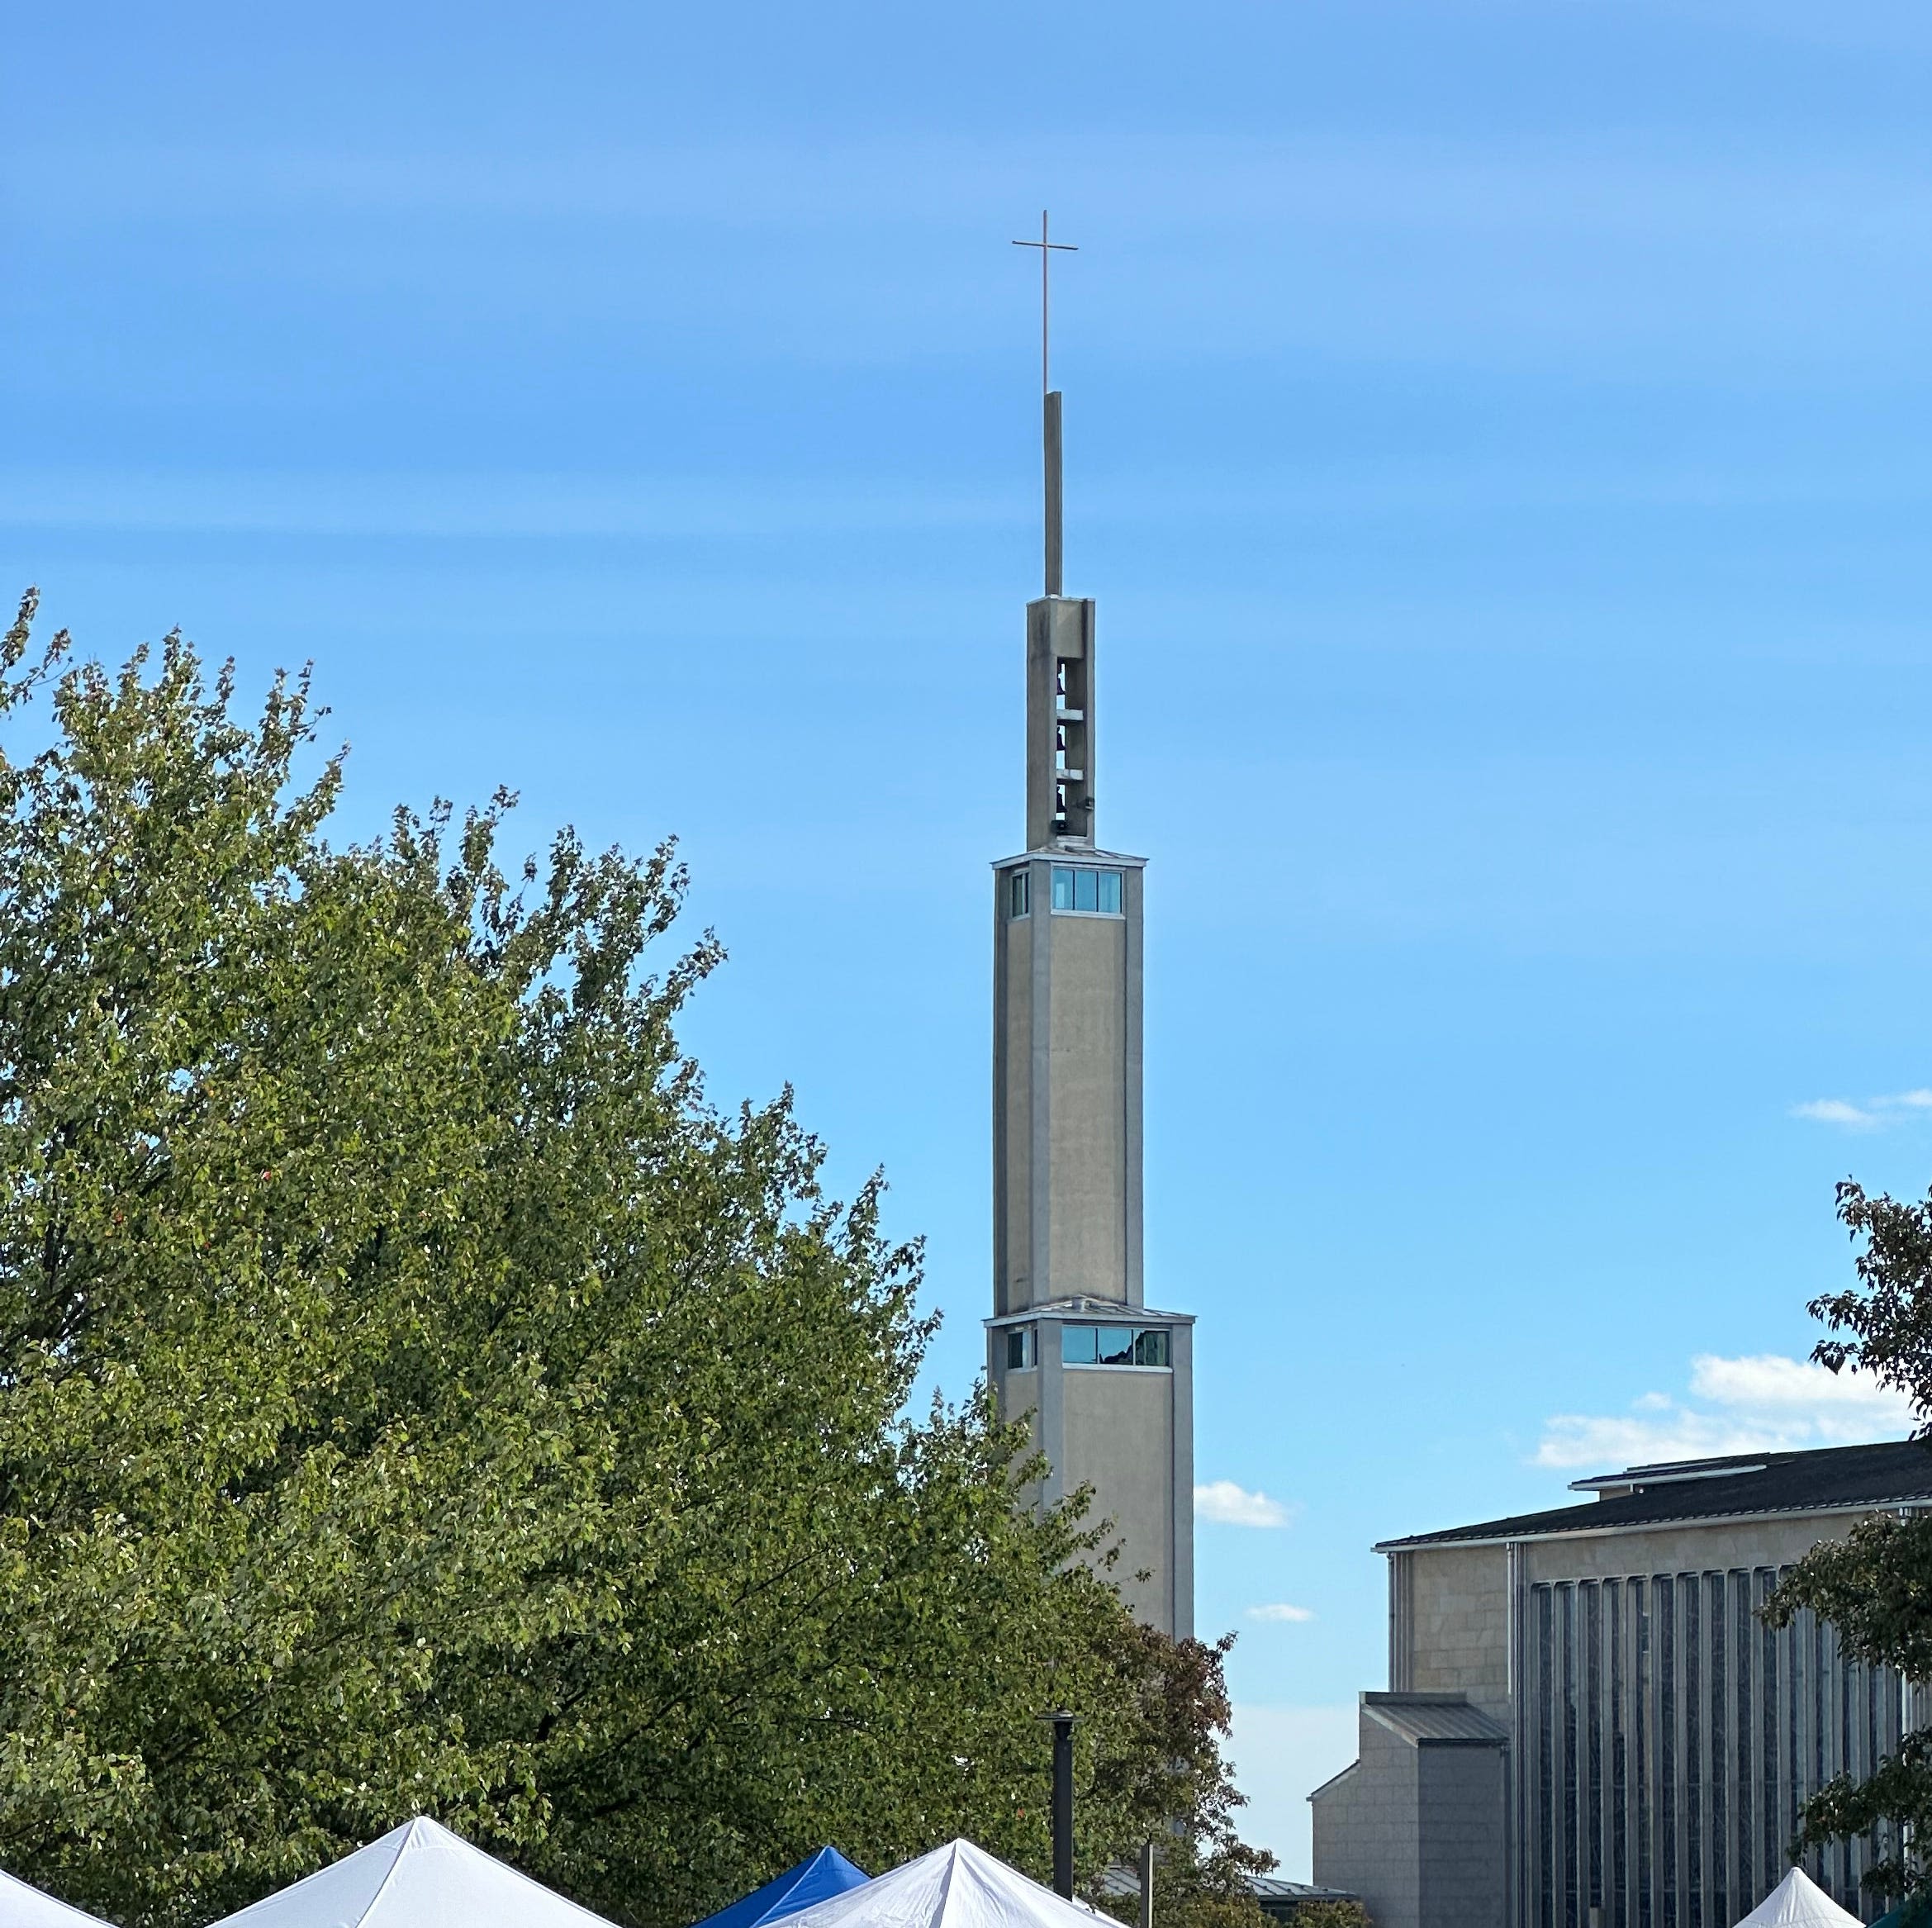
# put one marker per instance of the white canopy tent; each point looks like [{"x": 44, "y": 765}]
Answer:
[
  {"x": 419, "y": 1875},
  {"x": 1797, "y": 1901},
  {"x": 21, "y": 1906},
  {"x": 958, "y": 1886}
]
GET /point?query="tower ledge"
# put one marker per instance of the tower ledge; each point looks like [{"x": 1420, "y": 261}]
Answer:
[
  {"x": 1073, "y": 851},
  {"x": 1085, "y": 1305}
]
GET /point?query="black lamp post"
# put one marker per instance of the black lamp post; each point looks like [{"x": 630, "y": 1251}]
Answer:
[{"x": 1062, "y": 1803}]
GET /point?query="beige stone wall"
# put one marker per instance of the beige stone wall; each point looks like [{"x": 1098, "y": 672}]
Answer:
[
  {"x": 1458, "y": 1630},
  {"x": 1450, "y": 1624},
  {"x": 1018, "y": 1393},
  {"x": 1365, "y": 1834},
  {"x": 1684, "y": 1549},
  {"x": 1087, "y": 1151},
  {"x": 1015, "y": 1102},
  {"x": 1456, "y": 1633},
  {"x": 1120, "y": 1437},
  {"x": 1017, "y": 1396}
]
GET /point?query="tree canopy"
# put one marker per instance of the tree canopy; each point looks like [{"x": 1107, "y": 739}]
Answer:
[
  {"x": 1875, "y": 1585},
  {"x": 416, "y": 1395}
]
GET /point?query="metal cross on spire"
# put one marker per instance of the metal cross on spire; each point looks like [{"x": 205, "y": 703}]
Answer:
[{"x": 1048, "y": 249}]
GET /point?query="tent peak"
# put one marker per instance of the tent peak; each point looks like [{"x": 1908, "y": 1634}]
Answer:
[
  {"x": 958, "y": 1885},
  {"x": 823, "y": 1874},
  {"x": 1797, "y": 1901},
  {"x": 419, "y": 1871}
]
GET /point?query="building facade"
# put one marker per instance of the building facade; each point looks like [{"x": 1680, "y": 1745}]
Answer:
[
  {"x": 1590, "y": 1697},
  {"x": 1105, "y": 1382}
]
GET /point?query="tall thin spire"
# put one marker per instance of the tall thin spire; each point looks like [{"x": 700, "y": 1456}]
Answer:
[
  {"x": 1050, "y": 398},
  {"x": 1103, "y": 1382},
  {"x": 1056, "y": 550}
]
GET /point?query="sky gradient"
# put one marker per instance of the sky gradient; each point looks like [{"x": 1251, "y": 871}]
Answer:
[{"x": 1498, "y": 443}]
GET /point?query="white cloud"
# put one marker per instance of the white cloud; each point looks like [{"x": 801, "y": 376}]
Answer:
[
  {"x": 1871, "y": 1114},
  {"x": 1761, "y": 1401},
  {"x": 1769, "y": 1382},
  {"x": 1280, "y": 1610},
  {"x": 1234, "y": 1506}
]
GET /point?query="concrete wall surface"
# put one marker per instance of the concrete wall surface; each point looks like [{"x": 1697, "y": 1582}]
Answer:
[
  {"x": 1087, "y": 1178},
  {"x": 1366, "y": 1829},
  {"x": 1463, "y": 1835},
  {"x": 1066, "y": 1091},
  {"x": 1418, "y": 1827},
  {"x": 1458, "y": 1625},
  {"x": 1690, "y": 1548},
  {"x": 1646, "y": 1637},
  {"x": 1119, "y": 1436},
  {"x": 1013, "y": 1101}
]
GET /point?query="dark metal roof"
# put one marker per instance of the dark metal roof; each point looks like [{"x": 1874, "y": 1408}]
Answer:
[
  {"x": 1068, "y": 850},
  {"x": 1829, "y": 1479},
  {"x": 1434, "y": 1719},
  {"x": 1269, "y": 1890},
  {"x": 1083, "y": 1305},
  {"x": 1278, "y": 1897},
  {"x": 1280, "y": 1901}
]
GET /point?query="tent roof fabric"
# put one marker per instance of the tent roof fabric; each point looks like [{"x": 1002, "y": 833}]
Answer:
[
  {"x": 419, "y": 1875},
  {"x": 22, "y": 1907},
  {"x": 1797, "y": 1901},
  {"x": 958, "y": 1886},
  {"x": 816, "y": 1878}
]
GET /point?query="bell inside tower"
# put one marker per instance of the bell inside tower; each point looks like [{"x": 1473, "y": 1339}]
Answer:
[{"x": 1072, "y": 807}]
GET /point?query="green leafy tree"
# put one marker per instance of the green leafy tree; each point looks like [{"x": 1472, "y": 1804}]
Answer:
[
  {"x": 1173, "y": 1772},
  {"x": 417, "y": 1396},
  {"x": 1875, "y": 1585}
]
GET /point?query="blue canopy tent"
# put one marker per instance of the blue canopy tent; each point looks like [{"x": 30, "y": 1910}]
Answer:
[{"x": 816, "y": 1878}]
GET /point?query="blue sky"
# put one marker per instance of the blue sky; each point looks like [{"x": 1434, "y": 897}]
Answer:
[{"x": 1497, "y": 441}]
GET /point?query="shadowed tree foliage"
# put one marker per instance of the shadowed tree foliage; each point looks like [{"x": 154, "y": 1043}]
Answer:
[
  {"x": 1875, "y": 1585},
  {"x": 417, "y": 1396},
  {"x": 1179, "y": 1689}
]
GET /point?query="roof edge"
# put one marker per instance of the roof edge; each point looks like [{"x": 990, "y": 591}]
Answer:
[{"x": 1827, "y": 1509}]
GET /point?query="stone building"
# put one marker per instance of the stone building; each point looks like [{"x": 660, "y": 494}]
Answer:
[
  {"x": 1587, "y": 1726},
  {"x": 1105, "y": 1383}
]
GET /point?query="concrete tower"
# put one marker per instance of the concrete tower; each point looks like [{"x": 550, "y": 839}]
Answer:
[{"x": 1106, "y": 1384}]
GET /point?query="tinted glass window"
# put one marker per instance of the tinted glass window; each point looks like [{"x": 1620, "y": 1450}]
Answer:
[
  {"x": 1086, "y": 890},
  {"x": 1019, "y": 1348},
  {"x": 1116, "y": 1346}
]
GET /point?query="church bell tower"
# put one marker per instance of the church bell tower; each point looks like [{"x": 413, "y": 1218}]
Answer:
[{"x": 1105, "y": 1383}]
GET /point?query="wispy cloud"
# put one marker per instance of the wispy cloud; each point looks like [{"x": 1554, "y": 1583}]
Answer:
[
  {"x": 1280, "y": 1610},
  {"x": 1762, "y": 1402},
  {"x": 1869, "y": 1114},
  {"x": 1223, "y": 1501}
]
